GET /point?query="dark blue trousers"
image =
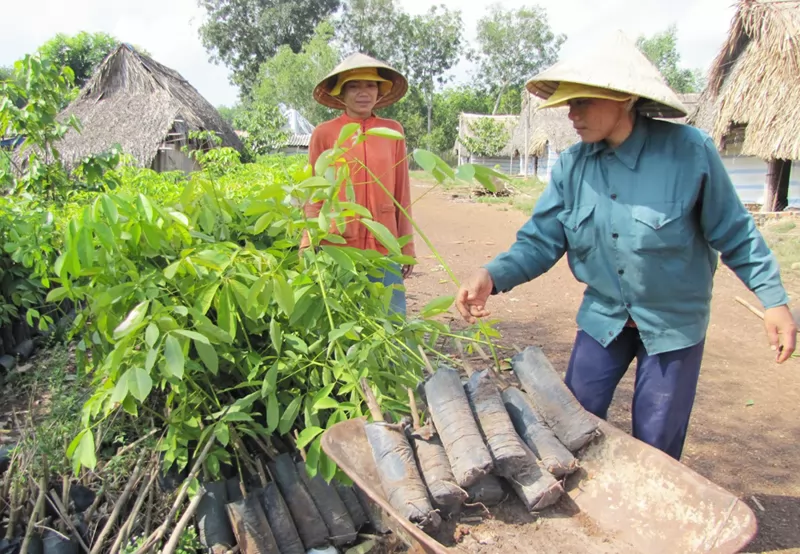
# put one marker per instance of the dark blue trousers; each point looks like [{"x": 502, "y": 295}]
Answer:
[{"x": 663, "y": 394}]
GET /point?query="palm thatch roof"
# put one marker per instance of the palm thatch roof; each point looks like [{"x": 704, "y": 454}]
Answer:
[
  {"x": 753, "y": 92},
  {"x": 465, "y": 120},
  {"x": 136, "y": 102},
  {"x": 552, "y": 126}
]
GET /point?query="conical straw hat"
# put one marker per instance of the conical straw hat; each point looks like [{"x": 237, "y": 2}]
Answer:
[
  {"x": 358, "y": 61},
  {"x": 614, "y": 64}
]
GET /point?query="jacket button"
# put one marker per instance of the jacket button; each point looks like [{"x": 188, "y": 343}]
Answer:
[
  {"x": 613, "y": 197},
  {"x": 621, "y": 272},
  {"x": 615, "y": 236}
]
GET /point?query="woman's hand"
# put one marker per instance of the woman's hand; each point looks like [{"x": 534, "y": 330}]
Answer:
[
  {"x": 781, "y": 331},
  {"x": 407, "y": 270}
]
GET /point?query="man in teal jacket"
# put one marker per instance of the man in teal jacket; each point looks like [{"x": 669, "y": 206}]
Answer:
[{"x": 641, "y": 207}]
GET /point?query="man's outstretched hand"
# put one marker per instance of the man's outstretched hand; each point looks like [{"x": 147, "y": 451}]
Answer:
[
  {"x": 781, "y": 331},
  {"x": 473, "y": 294}
]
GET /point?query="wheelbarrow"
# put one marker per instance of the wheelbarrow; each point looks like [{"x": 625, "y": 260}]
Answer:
[{"x": 627, "y": 497}]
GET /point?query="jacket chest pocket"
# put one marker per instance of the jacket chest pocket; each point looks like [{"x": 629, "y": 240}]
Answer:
[
  {"x": 579, "y": 228},
  {"x": 659, "y": 227}
]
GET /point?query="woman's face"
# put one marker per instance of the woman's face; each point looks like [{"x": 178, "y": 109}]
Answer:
[
  {"x": 360, "y": 97},
  {"x": 595, "y": 119}
]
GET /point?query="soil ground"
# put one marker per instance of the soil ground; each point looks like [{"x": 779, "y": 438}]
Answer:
[{"x": 744, "y": 433}]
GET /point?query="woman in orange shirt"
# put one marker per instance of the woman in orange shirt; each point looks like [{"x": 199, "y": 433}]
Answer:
[{"x": 358, "y": 86}]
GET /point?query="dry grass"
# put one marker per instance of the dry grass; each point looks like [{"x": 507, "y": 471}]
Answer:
[
  {"x": 754, "y": 78},
  {"x": 135, "y": 101}
]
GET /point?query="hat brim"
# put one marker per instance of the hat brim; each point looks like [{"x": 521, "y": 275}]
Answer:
[
  {"x": 557, "y": 100},
  {"x": 399, "y": 84}
]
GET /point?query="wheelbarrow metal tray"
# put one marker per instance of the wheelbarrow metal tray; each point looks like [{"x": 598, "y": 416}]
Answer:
[{"x": 627, "y": 497}]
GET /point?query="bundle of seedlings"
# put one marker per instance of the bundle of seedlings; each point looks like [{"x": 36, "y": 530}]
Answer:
[
  {"x": 571, "y": 423},
  {"x": 310, "y": 525},
  {"x": 459, "y": 433},
  {"x": 488, "y": 490},
  {"x": 505, "y": 445},
  {"x": 433, "y": 463},
  {"x": 536, "y": 487},
  {"x": 250, "y": 525},
  {"x": 397, "y": 468},
  {"x": 330, "y": 505},
  {"x": 529, "y": 424},
  {"x": 357, "y": 512}
]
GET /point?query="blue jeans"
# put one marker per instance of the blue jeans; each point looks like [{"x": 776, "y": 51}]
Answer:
[
  {"x": 398, "y": 303},
  {"x": 664, "y": 389}
]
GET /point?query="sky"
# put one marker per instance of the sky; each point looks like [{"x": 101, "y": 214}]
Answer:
[{"x": 168, "y": 29}]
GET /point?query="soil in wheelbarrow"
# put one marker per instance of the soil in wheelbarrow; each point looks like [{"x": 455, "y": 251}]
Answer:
[{"x": 511, "y": 528}]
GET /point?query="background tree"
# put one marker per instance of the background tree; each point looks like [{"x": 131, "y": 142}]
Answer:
[
  {"x": 82, "y": 52},
  {"x": 289, "y": 78},
  {"x": 263, "y": 125},
  {"x": 370, "y": 27},
  {"x": 243, "y": 34},
  {"x": 486, "y": 137},
  {"x": 662, "y": 50},
  {"x": 430, "y": 46},
  {"x": 513, "y": 45}
]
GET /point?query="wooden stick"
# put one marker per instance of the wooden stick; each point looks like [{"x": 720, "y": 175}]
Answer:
[
  {"x": 65, "y": 486},
  {"x": 481, "y": 352},
  {"x": 412, "y": 403},
  {"x": 750, "y": 307},
  {"x": 144, "y": 494},
  {"x": 38, "y": 507},
  {"x": 115, "y": 513},
  {"x": 172, "y": 543},
  {"x": 13, "y": 512},
  {"x": 148, "y": 518},
  {"x": 372, "y": 402},
  {"x": 517, "y": 348},
  {"x": 162, "y": 529},
  {"x": 301, "y": 450},
  {"x": 127, "y": 447},
  {"x": 62, "y": 513},
  {"x": 467, "y": 364},
  {"x": 425, "y": 359},
  {"x": 87, "y": 516}
]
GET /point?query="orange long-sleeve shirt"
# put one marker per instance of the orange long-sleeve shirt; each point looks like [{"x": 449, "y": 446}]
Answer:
[{"x": 386, "y": 160}]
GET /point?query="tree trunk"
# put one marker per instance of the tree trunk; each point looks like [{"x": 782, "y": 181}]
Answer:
[
  {"x": 430, "y": 116},
  {"x": 777, "y": 186},
  {"x": 497, "y": 101}
]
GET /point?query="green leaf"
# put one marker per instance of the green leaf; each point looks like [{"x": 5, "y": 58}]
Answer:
[
  {"x": 204, "y": 300},
  {"x": 290, "y": 415},
  {"x": 222, "y": 433},
  {"x": 273, "y": 413},
  {"x": 384, "y": 235},
  {"x": 307, "y": 435},
  {"x": 284, "y": 295},
  {"x": 129, "y": 405},
  {"x": 57, "y": 294},
  {"x": 139, "y": 383},
  {"x": 150, "y": 361},
  {"x": 347, "y": 131},
  {"x": 195, "y": 336},
  {"x": 172, "y": 269},
  {"x": 110, "y": 208},
  {"x": 327, "y": 404},
  {"x": 437, "y": 306},
  {"x": 270, "y": 381},
  {"x": 327, "y": 467},
  {"x": 340, "y": 257},
  {"x": 226, "y": 316},
  {"x": 174, "y": 357},
  {"x": 208, "y": 355},
  {"x": 276, "y": 335},
  {"x": 145, "y": 208},
  {"x": 151, "y": 335},
  {"x": 85, "y": 247},
  {"x": 120, "y": 389},
  {"x": 323, "y": 393},
  {"x": 425, "y": 159},
  {"x": 262, "y": 223},
  {"x": 134, "y": 318},
  {"x": 81, "y": 451},
  {"x": 237, "y": 416},
  {"x": 466, "y": 172},
  {"x": 385, "y": 132}
]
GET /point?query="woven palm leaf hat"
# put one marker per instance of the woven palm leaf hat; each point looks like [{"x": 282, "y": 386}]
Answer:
[
  {"x": 392, "y": 85},
  {"x": 614, "y": 68}
]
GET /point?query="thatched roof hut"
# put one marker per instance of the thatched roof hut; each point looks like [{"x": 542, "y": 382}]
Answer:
[
  {"x": 753, "y": 90},
  {"x": 752, "y": 100},
  {"x": 145, "y": 107},
  {"x": 467, "y": 120}
]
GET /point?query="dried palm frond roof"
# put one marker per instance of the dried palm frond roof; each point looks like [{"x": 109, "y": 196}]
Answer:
[
  {"x": 465, "y": 120},
  {"x": 135, "y": 101},
  {"x": 754, "y": 81}
]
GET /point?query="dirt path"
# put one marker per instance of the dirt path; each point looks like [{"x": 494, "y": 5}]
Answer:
[{"x": 744, "y": 433}]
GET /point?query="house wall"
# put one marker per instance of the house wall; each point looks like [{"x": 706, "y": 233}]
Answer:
[
  {"x": 169, "y": 159},
  {"x": 545, "y": 165},
  {"x": 506, "y": 164}
]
